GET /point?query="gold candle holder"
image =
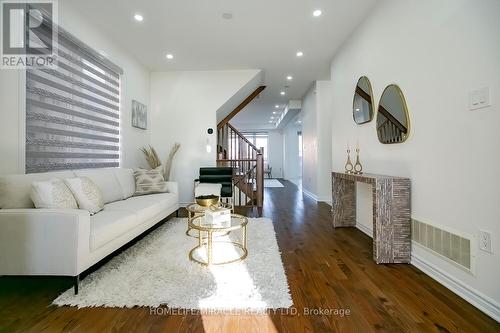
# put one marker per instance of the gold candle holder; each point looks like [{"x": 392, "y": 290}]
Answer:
[
  {"x": 358, "y": 168},
  {"x": 348, "y": 165}
]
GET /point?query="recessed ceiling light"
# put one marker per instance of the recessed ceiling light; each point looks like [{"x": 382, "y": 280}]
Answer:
[
  {"x": 282, "y": 93},
  {"x": 138, "y": 17},
  {"x": 275, "y": 112},
  {"x": 271, "y": 121},
  {"x": 276, "y": 106},
  {"x": 300, "y": 121},
  {"x": 289, "y": 78},
  {"x": 170, "y": 56},
  {"x": 300, "y": 54},
  {"x": 317, "y": 12},
  {"x": 272, "y": 117}
]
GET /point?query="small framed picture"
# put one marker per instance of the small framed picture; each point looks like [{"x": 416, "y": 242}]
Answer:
[{"x": 139, "y": 115}]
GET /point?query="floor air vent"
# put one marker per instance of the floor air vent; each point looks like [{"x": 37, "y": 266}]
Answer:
[{"x": 453, "y": 247}]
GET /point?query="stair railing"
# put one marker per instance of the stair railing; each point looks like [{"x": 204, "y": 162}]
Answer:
[{"x": 236, "y": 151}]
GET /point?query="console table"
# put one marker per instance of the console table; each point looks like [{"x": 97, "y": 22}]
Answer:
[{"x": 391, "y": 212}]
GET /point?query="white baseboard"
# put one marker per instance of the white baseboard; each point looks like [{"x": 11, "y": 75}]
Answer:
[
  {"x": 309, "y": 194},
  {"x": 327, "y": 199},
  {"x": 474, "y": 297},
  {"x": 365, "y": 229}
]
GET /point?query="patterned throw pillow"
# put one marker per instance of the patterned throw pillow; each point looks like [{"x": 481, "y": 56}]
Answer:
[
  {"x": 87, "y": 194},
  {"x": 149, "y": 181},
  {"x": 53, "y": 194}
]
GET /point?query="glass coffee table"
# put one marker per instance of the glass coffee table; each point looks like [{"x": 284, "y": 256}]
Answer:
[
  {"x": 238, "y": 222},
  {"x": 194, "y": 210}
]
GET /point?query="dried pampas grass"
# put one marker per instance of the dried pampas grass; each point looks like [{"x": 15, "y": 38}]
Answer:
[
  {"x": 151, "y": 157},
  {"x": 154, "y": 161},
  {"x": 168, "y": 162}
]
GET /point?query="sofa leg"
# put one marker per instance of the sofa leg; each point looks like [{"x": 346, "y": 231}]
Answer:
[
  {"x": 177, "y": 213},
  {"x": 76, "y": 283}
]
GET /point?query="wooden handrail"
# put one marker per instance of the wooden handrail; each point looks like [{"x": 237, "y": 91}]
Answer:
[
  {"x": 243, "y": 137},
  {"x": 392, "y": 119},
  {"x": 240, "y": 107}
]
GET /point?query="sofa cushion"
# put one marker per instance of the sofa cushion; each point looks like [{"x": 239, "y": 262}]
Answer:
[
  {"x": 127, "y": 181},
  {"x": 15, "y": 189},
  {"x": 106, "y": 180},
  {"x": 147, "y": 206},
  {"x": 109, "y": 224}
]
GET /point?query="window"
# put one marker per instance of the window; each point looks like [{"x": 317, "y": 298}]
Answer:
[
  {"x": 258, "y": 139},
  {"x": 73, "y": 111}
]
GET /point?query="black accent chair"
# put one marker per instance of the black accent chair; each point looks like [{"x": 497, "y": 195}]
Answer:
[{"x": 218, "y": 175}]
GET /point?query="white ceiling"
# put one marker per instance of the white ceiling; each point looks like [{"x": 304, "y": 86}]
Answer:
[{"x": 263, "y": 34}]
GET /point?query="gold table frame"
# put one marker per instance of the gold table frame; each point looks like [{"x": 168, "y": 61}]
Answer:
[
  {"x": 195, "y": 210},
  {"x": 209, "y": 239}
]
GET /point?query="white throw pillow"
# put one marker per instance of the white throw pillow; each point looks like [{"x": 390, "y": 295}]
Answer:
[
  {"x": 52, "y": 194},
  {"x": 87, "y": 194}
]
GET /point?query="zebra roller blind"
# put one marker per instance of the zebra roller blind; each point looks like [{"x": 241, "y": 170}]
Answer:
[{"x": 73, "y": 110}]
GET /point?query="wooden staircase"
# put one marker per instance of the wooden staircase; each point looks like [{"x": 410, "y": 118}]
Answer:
[{"x": 247, "y": 161}]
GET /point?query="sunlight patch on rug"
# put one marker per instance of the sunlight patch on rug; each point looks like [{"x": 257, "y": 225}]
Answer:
[{"x": 157, "y": 271}]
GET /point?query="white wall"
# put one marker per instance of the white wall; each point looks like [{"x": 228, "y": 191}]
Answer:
[
  {"x": 317, "y": 136},
  {"x": 11, "y": 122},
  {"x": 184, "y": 106},
  {"x": 324, "y": 102},
  {"x": 134, "y": 85},
  {"x": 310, "y": 141},
  {"x": 291, "y": 160},
  {"x": 275, "y": 152},
  {"x": 437, "y": 52}
]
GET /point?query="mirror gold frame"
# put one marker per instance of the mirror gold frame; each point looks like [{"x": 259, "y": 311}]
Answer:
[
  {"x": 372, "y": 100},
  {"x": 406, "y": 134}
]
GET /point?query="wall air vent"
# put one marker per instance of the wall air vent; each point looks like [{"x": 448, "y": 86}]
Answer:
[{"x": 453, "y": 247}]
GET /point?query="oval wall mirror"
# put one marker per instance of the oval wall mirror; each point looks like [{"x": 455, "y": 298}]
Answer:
[
  {"x": 393, "y": 120},
  {"x": 362, "y": 104}
]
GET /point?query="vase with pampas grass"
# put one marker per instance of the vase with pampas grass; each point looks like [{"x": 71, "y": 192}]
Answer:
[{"x": 154, "y": 161}]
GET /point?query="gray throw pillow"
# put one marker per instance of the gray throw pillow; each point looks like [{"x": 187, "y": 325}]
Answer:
[{"x": 149, "y": 181}]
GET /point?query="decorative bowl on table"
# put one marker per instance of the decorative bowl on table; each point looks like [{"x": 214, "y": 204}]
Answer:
[{"x": 207, "y": 200}]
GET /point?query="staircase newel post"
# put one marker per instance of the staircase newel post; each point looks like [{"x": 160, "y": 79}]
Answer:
[{"x": 260, "y": 178}]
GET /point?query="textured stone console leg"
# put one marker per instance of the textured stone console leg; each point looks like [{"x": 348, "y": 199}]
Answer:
[
  {"x": 391, "y": 221},
  {"x": 343, "y": 202},
  {"x": 401, "y": 220},
  {"x": 382, "y": 228}
]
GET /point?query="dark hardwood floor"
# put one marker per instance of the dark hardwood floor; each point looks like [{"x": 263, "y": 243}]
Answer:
[{"x": 327, "y": 269}]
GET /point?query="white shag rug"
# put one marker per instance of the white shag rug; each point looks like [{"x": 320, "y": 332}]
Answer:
[
  {"x": 272, "y": 183},
  {"x": 157, "y": 271}
]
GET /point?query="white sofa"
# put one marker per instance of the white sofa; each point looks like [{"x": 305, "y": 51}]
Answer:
[{"x": 66, "y": 242}]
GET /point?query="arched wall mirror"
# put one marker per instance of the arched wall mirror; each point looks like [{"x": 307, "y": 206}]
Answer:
[
  {"x": 362, "y": 104},
  {"x": 393, "y": 120}
]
